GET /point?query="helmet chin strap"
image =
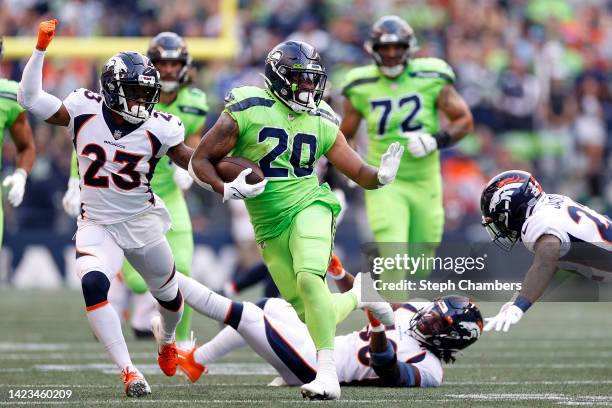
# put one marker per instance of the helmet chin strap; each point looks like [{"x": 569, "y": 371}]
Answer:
[
  {"x": 169, "y": 86},
  {"x": 393, "y": 71}
]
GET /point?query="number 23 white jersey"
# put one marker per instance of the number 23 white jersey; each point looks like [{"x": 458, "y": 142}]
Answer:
[
  {"x": 116, "y": 163},
  {"x": 585, "y": 235}
]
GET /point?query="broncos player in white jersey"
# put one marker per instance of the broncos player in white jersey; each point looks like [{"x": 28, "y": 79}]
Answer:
[
  {"x": 408, "y": 354},
  {"x": 118, "y": 138},
  {"x": 557, "y": 229}
]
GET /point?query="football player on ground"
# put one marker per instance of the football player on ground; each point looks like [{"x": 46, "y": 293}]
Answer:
[
  {"x": 285, "y": 129},
  {"x": 169, "y": 54},
  {"x": 552, "y": 226},
  {"x": 400, "y": 97},
  {"x": 407, "y": 354},
  {"x": 14, "y": 117},
  {"x": 119, "y": 139}
]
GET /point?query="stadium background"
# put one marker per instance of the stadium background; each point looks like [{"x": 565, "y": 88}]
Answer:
[{"x": 536, "y": 74}]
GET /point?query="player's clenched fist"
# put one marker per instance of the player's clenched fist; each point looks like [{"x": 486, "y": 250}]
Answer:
[{"x": 46, "y": 31}]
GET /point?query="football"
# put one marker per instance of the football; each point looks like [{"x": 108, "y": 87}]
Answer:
[{"x": 228, "y": 169}]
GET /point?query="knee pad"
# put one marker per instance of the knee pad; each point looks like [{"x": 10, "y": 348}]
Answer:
[
  {"x": 87, "y": 263},
  {"x": 173, "y": 305},
  {"x": 95, "y": 287}
]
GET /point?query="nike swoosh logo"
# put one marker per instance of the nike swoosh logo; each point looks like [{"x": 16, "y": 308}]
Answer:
[{"x": 238, "y": 194}]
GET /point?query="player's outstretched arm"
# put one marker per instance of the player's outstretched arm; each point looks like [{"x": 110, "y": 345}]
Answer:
[
  {"x": 460, "y": 124},
  {"x": 345, "y": 159},
  {"x": 30, "y": 94},
  {"x": 535, "y": 282}
]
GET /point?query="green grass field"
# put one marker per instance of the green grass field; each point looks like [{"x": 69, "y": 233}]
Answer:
[{"x": 560, "y": 354}]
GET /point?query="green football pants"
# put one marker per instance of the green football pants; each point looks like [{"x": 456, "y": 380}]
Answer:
[{"x": 298, "y": 260}]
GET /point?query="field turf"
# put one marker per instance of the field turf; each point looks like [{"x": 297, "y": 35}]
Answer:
[{"x": 559, "y": 355}]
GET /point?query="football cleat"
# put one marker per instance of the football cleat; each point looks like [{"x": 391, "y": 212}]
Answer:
[
  {"x": 167, "y": 356},
  {"x": 135, "y": 383},
  {"x": 380, "y": 309},
  {"x": 321, "y": 389},
  {"x": 188, "y": 365}
]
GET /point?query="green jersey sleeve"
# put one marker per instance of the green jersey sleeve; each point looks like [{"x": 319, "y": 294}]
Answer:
[
  {"x": 9, "y": 107},
  {"x": 433, "y": 68},
  {"x": 329, "y": 127}
]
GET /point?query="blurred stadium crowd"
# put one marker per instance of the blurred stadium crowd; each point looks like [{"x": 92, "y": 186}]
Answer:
[{"x": 537, "y": 75}]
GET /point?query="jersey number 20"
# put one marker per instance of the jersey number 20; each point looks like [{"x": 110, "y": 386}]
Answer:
[{"x": 299, "y": 141}]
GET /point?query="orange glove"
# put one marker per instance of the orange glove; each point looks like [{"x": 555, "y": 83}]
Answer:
[
  {"x": 46, "y": 31},
  {"x": 374, "y": 322},
  {"x": 335, "y": 269}
]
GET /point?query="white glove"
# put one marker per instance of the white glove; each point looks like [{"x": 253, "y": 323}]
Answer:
[
  {"x": 239, "y": 189},
  {"x": 421, "y": 144},
  {"x": 16, "y": 182},
  {"x": 389, "y": 163},
  {"x": 508, "y": 315},
  {"x": 182, "y": 178},
  {"x": 72, "y": 198}
]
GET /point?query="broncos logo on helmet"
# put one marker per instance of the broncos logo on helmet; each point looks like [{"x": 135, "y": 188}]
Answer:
[
  {"x": 506, "y": 202},
  {"x": 447, "y": 325}
]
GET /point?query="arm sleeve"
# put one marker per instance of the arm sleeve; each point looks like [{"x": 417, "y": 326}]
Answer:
[{"x": 31, "y": 95}]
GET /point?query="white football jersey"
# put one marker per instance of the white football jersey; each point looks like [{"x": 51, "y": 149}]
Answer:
[
  {"x": 585, "y": 235},
  {"x": 116, "y": 163},
  {"x": 352, "y": 351}
]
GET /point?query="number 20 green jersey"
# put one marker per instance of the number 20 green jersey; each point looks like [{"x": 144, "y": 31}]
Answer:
[
  {"x": 403, "y": 104},
  {"x": 286, "y": 145}
]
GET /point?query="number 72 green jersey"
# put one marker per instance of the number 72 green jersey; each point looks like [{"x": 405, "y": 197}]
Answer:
[
  {"x": 286, "y": 145},
  {"x": 392, "y": 107}
]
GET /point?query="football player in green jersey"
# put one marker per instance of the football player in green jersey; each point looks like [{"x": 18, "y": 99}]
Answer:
[
  {"x": 285, "y": 129},
  {"x": 14, "y": 118},
  {"x": 171, "y": 58},
  {"x": 400, "y": 97}
]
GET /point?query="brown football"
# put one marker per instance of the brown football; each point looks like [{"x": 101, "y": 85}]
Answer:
[{"x": 228, "y": 169}]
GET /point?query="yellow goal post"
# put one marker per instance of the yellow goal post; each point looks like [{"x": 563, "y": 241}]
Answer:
[{"x": 224, "y": 46}]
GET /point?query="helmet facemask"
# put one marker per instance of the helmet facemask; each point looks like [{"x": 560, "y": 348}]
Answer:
[
  {"x": 303, "y": 87},
  {"x": 144, "y": 98}
]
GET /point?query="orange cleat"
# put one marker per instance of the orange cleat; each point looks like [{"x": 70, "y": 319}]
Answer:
[
  {"x": 135, "y": 383},
  {"x": 46, "y": 31},
  {"x": 189, "y": 366},
  {"x": 167, "y": 357},
  {"x": 335, "y": 268}
]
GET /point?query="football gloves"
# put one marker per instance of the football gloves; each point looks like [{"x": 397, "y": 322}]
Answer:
[
  {"x": 72, "y": 198},
  {"x": 182, "y": 178},
  {"x": 508, "y": 315},
  {"x": 16, "y": 182},
  {"x": 389, "y": 163},
  {"x": 420, "y": 144},
  {"x": 46, "y": 32},
  {"x": 239, "y": 189}
]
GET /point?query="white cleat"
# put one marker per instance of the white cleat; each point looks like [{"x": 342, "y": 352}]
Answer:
[
  {"x": 379, "y": 308},
  {"x": 321, "y": 389}
]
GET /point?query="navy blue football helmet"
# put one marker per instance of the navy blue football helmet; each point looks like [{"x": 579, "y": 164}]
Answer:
[
  {"x": 170, "y": 46},
  {"x": 506, "y": 202},
  {"x": 447, "y": 325},
  {"x": 130, "y": 76},
  {"x": 294, "y": 74},
  {"x": 391, "y": 30}
]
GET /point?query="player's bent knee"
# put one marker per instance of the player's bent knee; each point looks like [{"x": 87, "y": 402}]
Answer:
[
  {"x": 87, "y": 263},
  {"x": 95, "y": 287},
  {"x": 309, "y": 284},
  {"x": 173, "y": 305}
]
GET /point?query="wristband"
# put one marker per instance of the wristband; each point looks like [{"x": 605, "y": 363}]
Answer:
[
  {"x": 443, "y": 139},
  {"x": 338, "y": 277},
  {"x": 522, "y": 303}
]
